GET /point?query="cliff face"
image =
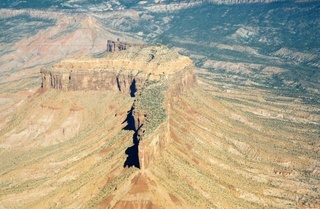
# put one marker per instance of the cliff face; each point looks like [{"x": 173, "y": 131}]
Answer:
[
  {"x": 119, "y": 70},
  {"x": 157, "y": 129},
  {"x": 155, "y": 76},
  {"x": 98, "y": 79}
]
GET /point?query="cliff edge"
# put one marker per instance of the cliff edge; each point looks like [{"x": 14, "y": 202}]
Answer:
[{"x": 154, "y": 75}]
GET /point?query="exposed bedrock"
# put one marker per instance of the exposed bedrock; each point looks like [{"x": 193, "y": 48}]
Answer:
[
  {"x": 98, "y": 79},
  {"x": 155, "y": 76}
]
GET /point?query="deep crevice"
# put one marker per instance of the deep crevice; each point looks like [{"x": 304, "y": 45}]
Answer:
[
  {"x": 133, "y": 88},
  {"x": 118, "y": 83},
  {"x": 133, "y": 151},
  {"x": 129, "y": 120}
]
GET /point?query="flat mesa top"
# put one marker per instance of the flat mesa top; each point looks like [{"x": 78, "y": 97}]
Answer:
[{"x": 151, "y": 59}]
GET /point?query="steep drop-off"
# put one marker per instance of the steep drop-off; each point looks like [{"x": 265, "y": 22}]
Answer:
[{"x": 153, "y": 75}]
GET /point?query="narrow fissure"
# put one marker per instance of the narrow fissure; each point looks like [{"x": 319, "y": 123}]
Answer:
[
  {"x": 133, "y": 151},
  {"x": 133, "y": 88},
  {"x": 118, "y": 83}
]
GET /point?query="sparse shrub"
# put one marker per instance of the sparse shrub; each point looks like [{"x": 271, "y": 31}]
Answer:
[{"x": 151, "y": 102}]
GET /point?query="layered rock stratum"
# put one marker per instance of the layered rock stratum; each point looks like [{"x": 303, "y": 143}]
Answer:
[
  {"x": 155, "y": 76},
  {"x": 244, "y": 135},
  {"x": 138, "y": 129}
]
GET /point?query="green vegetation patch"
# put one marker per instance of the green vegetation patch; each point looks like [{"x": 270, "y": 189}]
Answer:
[{"x": 151, "y": 103}]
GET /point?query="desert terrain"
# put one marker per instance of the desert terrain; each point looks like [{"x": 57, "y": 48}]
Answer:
[{"x": 175, "y": 120}]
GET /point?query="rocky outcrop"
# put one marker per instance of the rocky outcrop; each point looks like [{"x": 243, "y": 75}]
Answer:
[
  {"x": 154, "y": 75},
  {"x": 98, "y": 79},
  {"x": 117, "y": 46},
  {"x": 118, "y": 70}
]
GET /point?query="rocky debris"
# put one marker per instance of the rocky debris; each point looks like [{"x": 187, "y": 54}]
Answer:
[
  {"x": 117, "y": 46},
  {"x": 113, "y": 46}
]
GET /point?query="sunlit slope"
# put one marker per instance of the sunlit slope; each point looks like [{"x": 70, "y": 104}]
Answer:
[
  {"x": 225, "y": 154},
  {"x": 63, "y": 149},
  {"x": 228, "y": 150},
  {"x": 67, "y": 149}
]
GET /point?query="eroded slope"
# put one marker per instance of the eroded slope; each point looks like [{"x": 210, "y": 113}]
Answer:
[{"x": 198, "y": 146}]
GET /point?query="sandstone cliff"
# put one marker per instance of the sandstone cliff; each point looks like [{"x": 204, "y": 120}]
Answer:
[
  {"x": 154, "y": 75},
  {"x": 118, "y": 70},
  {"x": 197, "y": 146}
]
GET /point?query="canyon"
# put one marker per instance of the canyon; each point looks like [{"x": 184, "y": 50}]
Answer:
[
  {"x": 190, "y": 104},
  {"x": 138, "y": 129},
  {"x": 146, "y": 73}
]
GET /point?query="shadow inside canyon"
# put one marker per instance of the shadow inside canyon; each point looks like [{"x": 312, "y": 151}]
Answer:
[
  {"x": 133, "y": 88},
  {"x": 129, "y": 120},
  {"x": 133, "y": 151}
]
